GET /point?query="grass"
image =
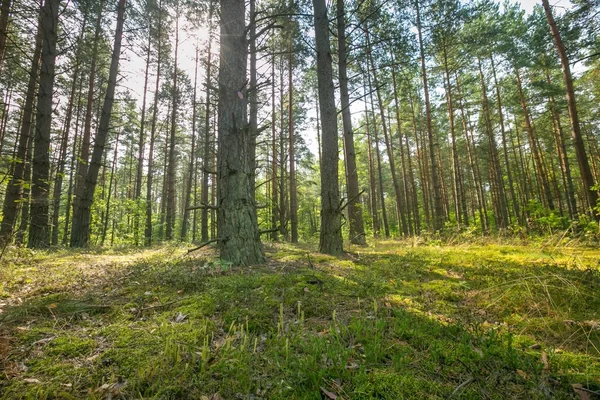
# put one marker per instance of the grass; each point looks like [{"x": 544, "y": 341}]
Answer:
[{"x": 392, "y": 321}]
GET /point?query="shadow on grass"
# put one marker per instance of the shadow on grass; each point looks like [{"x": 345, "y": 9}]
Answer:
[{"x": 419, "y": 324}]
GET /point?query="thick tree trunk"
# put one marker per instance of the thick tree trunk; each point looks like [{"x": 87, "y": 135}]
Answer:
[
  {"x": 80, "y": 236},
  {"x": 357, "y": 229},
  {"x": 584, "y": 166},
  {"x": 331, "y": 216},
  {"x": 39, "y": 227},
  {"x": 238, "y": 235},
  {"x": 14, "y": 190}
]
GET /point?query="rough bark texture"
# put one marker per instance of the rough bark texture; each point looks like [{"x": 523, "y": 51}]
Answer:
[
  {"x": 14, "y": 190},
  {"x": 331, "y": 217},
  {"x": 238, "y": 236},
  {"x": 81, "y": 220},
  {"x": 584, "y": 166},
  {"x": 355, "y": 217},
  {"x": 39, "y": 227}
]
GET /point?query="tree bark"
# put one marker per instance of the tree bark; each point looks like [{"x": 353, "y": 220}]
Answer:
[
  {"x": 238, "y": 235},
  {"x": 330, "y": 241},
  {"x": 357, "y": 229},
  {"x": 207, "y": 142},
  {"x": 39, "y": 227},
  {"x": 80, "y": 236},
  {"x": 170, "y": 217}
]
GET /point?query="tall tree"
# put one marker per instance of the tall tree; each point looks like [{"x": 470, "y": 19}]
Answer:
[
  {"x": 584, "y": 166},
  {"x": 39, "y": 227},
  {"x": 80, "y": 235},
  {"x": 14, "y": 190},
  {"x": 330, "y": 241},
  {"x": 357, "y": 229},
  {"x": 238, "y": 235}
]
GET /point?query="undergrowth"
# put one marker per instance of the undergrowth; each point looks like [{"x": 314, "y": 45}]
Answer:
[{"x": 395, "y": 320}]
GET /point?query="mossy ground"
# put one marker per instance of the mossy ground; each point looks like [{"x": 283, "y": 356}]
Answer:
[{"x": 391, "y": 321}]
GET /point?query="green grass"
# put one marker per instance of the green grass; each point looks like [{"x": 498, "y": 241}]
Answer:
[{"x": 392, "y": 321}]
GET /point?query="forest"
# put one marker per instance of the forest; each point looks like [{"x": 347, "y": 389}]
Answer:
[{"x": 281, "y": 199}]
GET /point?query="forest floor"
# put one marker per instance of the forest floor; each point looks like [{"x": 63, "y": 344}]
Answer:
[{"x": 391, "y": 321}]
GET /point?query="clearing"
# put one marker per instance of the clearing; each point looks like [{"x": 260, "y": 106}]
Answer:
[{"x": 391, "y": 321}]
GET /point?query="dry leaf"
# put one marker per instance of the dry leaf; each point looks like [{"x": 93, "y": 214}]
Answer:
[
  {"x": 329, "y": 394},
  {"x": 51, "y": 306},
  {"x": 522, "y": 374},
  {"x": 545, "y": 361},
  {"x": 535, "y": 346},
  {"x": 583, "y": 394},
  {"x": 215, "y": 396},
  {"x": 31, "y": 380},
  {"x": 306, "y": 290}
]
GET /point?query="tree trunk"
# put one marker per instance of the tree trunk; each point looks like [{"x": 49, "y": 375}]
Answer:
[
  {"x": 80, "y": 236},
  {"x": 357, "y": 229},
  {"x": 188, "y": 189},
  {"x": 14, "y": 190},
  {"x": 207, "y": 145},
  {"x": 540, "y": 172},
  {"x": 584, "y": 166},
  {"x": 292, "y": 156},
  {"x": 110, "y": 188},
  {"x": 170, "y": 217},
  {"x": 39, "y": 227},
  {"x": 372, "y": 183},
  {"x": 330, "y": 241},
  {"x": 497, "y": 176},
  {"x": 238, "y": 235},
  {"x": 84, "y": 152},
  {"x": 142, "y": 144},
  {"x": 438, "y": 220},
  {"x": 274, "y": 169}
]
